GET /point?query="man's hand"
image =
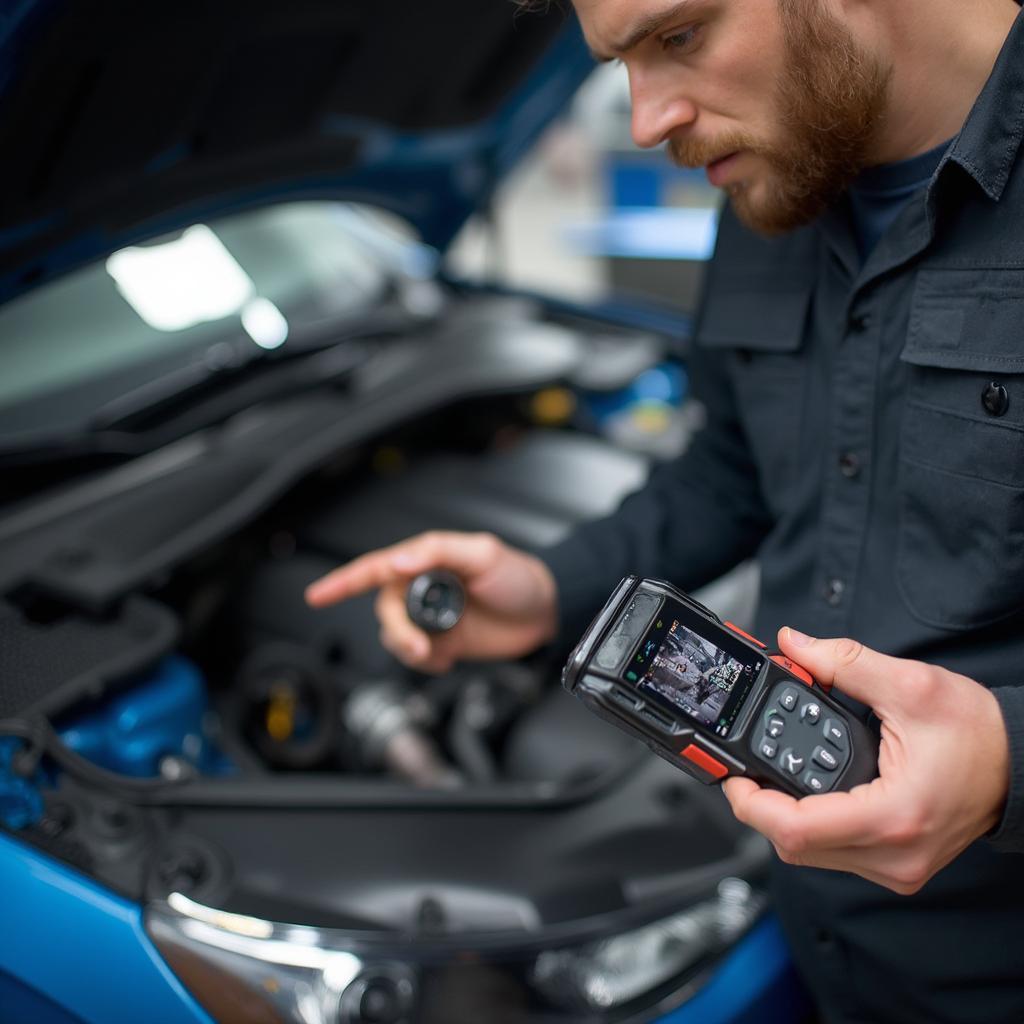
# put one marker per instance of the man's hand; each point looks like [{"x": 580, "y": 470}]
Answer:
[
  {"x": 943, "y": 772},
  {"x": 510, "y": 597}
]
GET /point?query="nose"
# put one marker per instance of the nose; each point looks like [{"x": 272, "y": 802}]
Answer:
[{"x": 659, "y": 108}]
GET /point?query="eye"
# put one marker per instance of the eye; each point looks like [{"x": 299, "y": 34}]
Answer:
[{"x": 683, "y": 41}]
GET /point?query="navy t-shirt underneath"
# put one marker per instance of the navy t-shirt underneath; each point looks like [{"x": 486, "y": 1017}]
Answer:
[{"x": 878, "y": 194}]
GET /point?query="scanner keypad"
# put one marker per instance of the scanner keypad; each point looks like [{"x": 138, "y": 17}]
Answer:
[{"x": 801, "y": 738}]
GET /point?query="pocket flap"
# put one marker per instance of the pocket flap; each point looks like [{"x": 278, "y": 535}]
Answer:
[
  {"x": 967, "y": 320},
  {"x": 756, "y": 320}
]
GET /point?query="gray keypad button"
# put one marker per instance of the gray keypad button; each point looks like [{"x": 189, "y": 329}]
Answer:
[
  {"x": 825, "y": 758},
  {"x": 810, "y": 712},
  {"x": 816, "y": 746},
  {"x": 789, "y": 699},
  {"x": 835, "y": 733}
]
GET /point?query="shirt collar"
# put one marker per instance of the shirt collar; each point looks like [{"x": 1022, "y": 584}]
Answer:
[{"x": 988, "y": 142}]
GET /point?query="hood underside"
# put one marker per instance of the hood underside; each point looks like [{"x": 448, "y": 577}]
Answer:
[{"x": 120, "y": 121}]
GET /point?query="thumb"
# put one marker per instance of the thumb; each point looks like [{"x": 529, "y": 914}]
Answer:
[{"x": 862, "y": 673}]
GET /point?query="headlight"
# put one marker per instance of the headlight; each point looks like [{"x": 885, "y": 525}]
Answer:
[
  {"x": 615, "y": 971},
  {"x": 245, "y": 969}
]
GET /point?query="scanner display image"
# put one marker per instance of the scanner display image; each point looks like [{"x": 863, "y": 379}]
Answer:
[
  {"x": 690, "y": 672},
  {"x": 713, "y": 700}
]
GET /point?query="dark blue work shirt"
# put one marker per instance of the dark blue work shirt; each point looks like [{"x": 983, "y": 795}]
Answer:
[{"x": 865, "y": 440}]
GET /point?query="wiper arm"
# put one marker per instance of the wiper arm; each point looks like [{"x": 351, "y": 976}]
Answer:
[
  {"x": 169, "y": 408},
  {"x": 208, "y": 391},
  {"x": 237, "y": 364},
  {"x": 162, "y": 395}
]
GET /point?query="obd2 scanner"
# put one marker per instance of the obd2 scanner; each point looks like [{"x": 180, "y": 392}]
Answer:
[{"x": 712, "y": 699}]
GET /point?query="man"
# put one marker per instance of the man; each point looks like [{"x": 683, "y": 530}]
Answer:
[{"x": 860, "y": 350}]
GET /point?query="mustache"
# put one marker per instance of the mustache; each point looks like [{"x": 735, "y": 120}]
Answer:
[{"x": 696, "y": 153}]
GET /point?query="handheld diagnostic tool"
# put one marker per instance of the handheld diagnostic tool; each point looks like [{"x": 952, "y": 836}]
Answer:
[{"x": 712, "y": 699}]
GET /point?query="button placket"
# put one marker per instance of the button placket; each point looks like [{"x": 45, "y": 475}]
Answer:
[{"x": 845, "y": 508}]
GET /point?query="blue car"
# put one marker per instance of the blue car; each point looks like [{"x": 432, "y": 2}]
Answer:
[{"x": 232, "y": 356}]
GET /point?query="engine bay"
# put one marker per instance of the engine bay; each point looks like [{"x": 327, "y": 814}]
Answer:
[
  {"x": 217, "y": 662},
  {"x": 296, "y": 689},
  {"x": 223, "y": 740}
]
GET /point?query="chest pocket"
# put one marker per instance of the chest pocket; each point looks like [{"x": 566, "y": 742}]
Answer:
[
  {"x": 761, "y": 335},
  {"x": 960, "y": 559}
]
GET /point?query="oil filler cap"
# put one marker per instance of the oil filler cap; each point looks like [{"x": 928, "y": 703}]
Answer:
[{"x": 435, "y": 600}]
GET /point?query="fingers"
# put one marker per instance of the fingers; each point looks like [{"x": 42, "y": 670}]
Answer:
[
  {"x": 857, "y": 670},
  {"x": 738, "y": 788},
  {"x": 465, "y": 554},
  {"x": 405, "y": 640},
  {"x": 365, "y": 573},
  {"x": 833, "y": 831},
  {"x": 813, "y": 824},
  {"x": 434, "y": 663}
]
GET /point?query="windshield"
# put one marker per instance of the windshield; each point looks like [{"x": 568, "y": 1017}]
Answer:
[{"x": 253, "y": 280}]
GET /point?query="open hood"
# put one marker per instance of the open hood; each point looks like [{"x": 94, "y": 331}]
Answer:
[{"x": 120, "y": 121}]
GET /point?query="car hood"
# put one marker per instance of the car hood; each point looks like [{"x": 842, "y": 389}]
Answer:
[{"x": 121, "y": 121}]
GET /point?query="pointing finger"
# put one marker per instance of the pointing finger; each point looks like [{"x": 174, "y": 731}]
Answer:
[
  {"x": 466, "y": 554},
  {"x": 367, "y": 572}
]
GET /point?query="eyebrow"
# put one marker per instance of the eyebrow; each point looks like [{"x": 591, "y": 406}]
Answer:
[{"x": 647, "y": 26}]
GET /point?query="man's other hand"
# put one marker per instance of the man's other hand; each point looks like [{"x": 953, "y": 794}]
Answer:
[
  {"x": 943, "y": 772},
  {"x": 510, "y": 597}
]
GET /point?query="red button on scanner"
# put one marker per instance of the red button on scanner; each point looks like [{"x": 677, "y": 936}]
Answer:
[
  {"x": 743, "y": 633},
  {"x": 704, "y": 761},
  {"x": 792, "y": 666}
]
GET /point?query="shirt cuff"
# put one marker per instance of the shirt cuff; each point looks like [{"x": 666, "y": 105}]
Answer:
[
  {"x": 1009, "y": 835},
  {"x": 583, "y": 584}
]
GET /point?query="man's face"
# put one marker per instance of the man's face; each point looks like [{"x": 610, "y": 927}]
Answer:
[{"x": 774, "y": 97}]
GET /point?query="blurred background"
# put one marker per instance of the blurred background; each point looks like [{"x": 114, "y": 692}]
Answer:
[{"x": 588, "y": 214}]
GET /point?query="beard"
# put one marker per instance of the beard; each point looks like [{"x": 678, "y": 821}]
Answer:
[{"x": 830, "y": 100}]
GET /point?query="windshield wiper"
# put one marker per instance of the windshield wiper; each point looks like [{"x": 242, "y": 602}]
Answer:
[
  {"x": 229, "y": 378},
  {"x": 177, "y": 404},
  {"x": 238, "y": 367}
]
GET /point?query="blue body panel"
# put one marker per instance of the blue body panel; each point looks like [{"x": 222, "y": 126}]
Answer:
[
  {"x": 130, "y": 732},
  {"x": 756, "y": 984},
  {"x": 72, "y": 951},
  {"x": 78, "y": 952}
]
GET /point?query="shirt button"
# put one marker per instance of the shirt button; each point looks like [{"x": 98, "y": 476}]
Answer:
[
  {"x": 849, "y": 465},
  {"x": 834, "y": 592},
  {"x": 859, "y": 322},
  {"x": 995, "y": 399}
]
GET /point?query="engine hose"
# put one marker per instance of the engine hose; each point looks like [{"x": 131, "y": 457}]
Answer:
[{"x": 43, "y": 740}]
